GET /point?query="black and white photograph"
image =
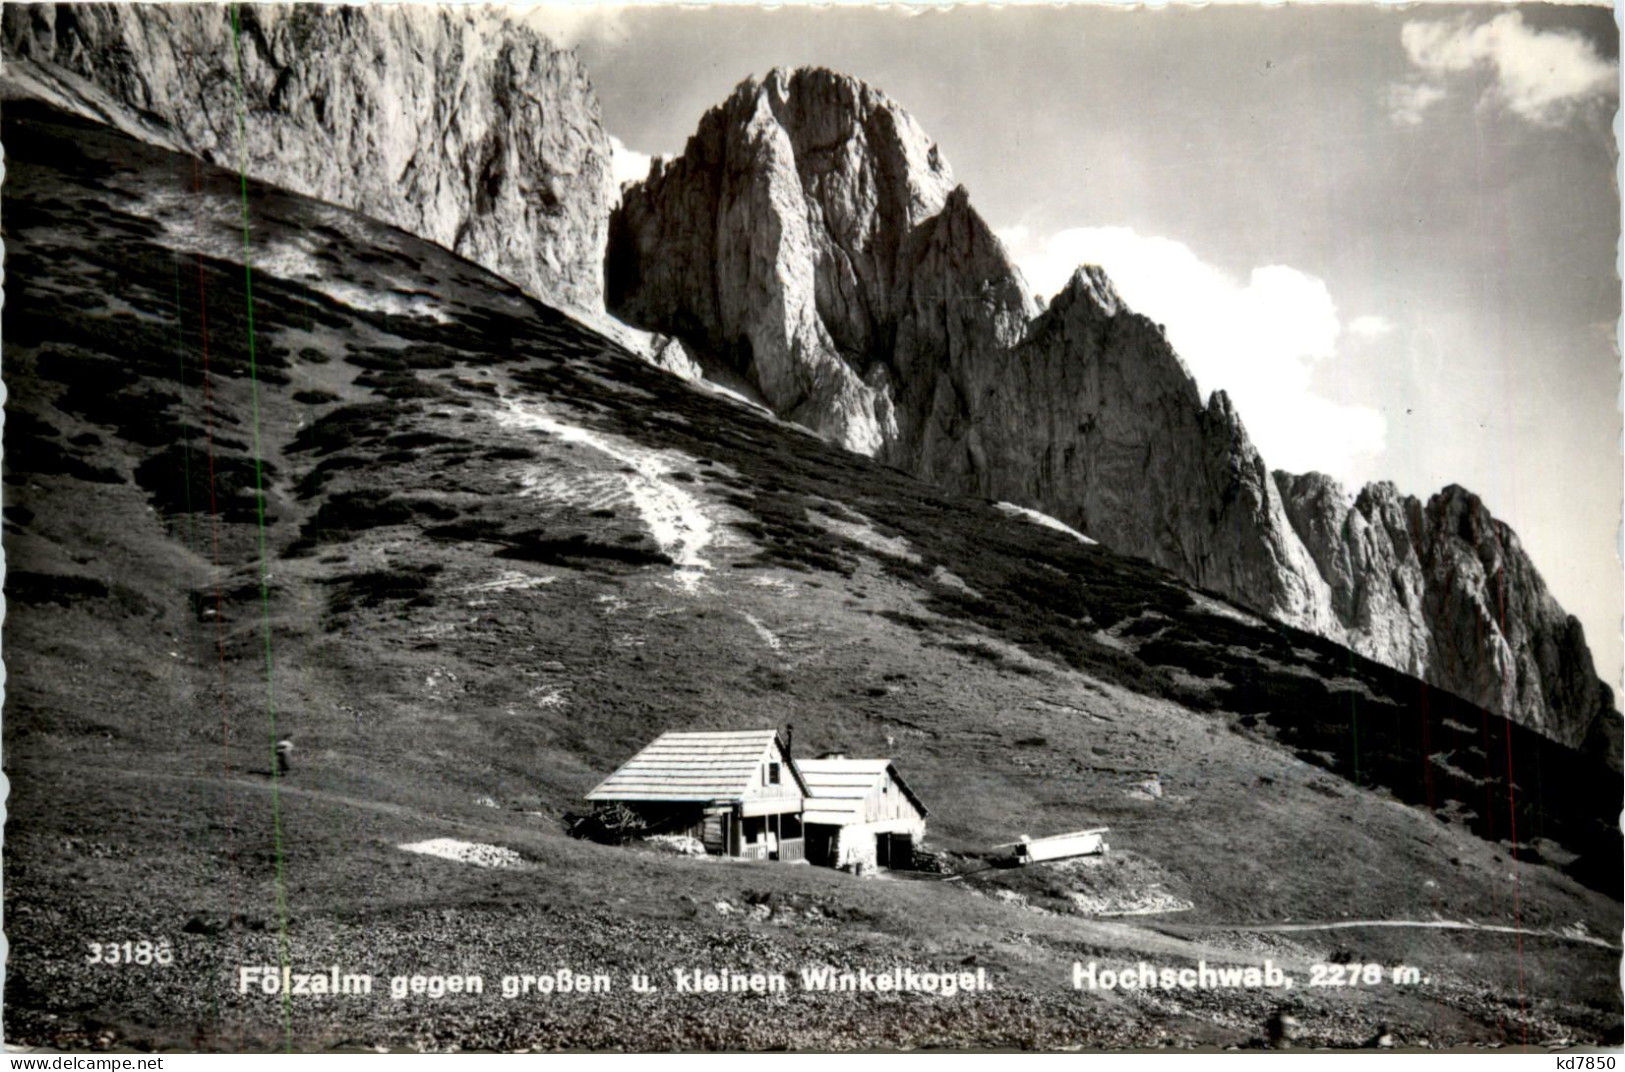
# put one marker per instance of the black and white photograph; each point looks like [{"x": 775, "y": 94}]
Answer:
[{"x": 598, "y": 528}]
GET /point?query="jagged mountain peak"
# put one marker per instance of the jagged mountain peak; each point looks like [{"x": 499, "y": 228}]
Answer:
[
  {"x": 1444, "y": 590},
  {"x": 1463, "y": 503},
  {"x": 813, "y": 241},
  {"x": 784, "y": 84},
  {"x": 1315, "y": 486},
  {"x": 899, "y": 326},
  {"x": 1386, "y": 492},
  {"x": 798, "y": 93},
  {"x": 1220, "y": 407},
  {"x": 787, "y": 242},
  {"x": 837, "y": 127},
  {"x": 1090, "y": 283},
  {"x": 969, "y": 255}
]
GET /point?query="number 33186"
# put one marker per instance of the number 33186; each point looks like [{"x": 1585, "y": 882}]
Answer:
[{"x": 118, "y": 953}]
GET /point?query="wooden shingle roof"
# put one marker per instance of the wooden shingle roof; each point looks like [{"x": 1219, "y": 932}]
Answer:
[
  {"x": 838, "y": 787},
  {"x": 695, "y": 767}
]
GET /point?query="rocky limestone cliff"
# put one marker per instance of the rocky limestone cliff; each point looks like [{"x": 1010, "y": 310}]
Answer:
[
  {"x": 1363, "y": 549},
  {"x": 811, "y": 240},
  {"x": 1091, "y": 417},
  {"x": 775, "y": 243},
  {"x": 456, "y": 124},
  {"x": 1446, "y": 592}
]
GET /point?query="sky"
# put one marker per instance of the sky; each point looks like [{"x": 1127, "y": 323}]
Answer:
[{"x": 1389, "y": 233}]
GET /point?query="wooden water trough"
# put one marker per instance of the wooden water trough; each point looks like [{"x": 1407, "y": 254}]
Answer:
[{"x": 1058, "y": 846}]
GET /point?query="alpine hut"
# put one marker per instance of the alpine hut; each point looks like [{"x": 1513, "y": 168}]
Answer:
[
  {"x": 861, "y": 814},
  {"x": 737, "y": 791}
]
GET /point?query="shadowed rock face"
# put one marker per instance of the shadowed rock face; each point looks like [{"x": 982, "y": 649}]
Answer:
[
  {"x": 1365, "y": 549},
  {"x": 457, "y": 125},
  {"x": 1446, "y": 592},
  {"x": 1092, "y": 418},
  {"x": 810, "y": 239},
  {"x": 777, "y": 245}
]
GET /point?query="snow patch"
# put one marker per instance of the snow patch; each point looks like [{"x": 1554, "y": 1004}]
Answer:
[
  {"x": 674, "y": 517},
  {"x": 1212, "y": 606},
  {"x": 949, "y": 579},
  {"x": 770, "y": 638},
  {"x": 388, "y": 302},
  {"x": 509, "y": 580},
  {"x": 863, "y": 534},
  {"x": 466, "y": 852},
  {"x": 295, "y": 261},
  {"x": 736, "y": 397},
  {"x": 212, "y": 226},
  {"x": 1043, "y": 519},
  {"x": 1113, "y": 641}
]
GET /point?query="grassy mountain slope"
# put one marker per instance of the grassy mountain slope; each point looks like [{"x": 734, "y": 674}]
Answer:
[{"x": 495, "y": 554}]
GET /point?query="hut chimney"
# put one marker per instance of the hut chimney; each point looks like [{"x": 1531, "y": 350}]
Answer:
[{"x": 789, "y": 738}]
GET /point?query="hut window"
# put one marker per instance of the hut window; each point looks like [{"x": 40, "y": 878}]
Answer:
[{"x": 772, "y": 774}]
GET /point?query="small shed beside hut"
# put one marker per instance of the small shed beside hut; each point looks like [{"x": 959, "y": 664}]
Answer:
[
  {"x": 737, "y": 791},
  {"x": 860, "y": 813}
]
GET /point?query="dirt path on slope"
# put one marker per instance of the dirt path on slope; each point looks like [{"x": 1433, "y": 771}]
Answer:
[
  {"x": 675, "y": 518},
  {"x": 262, "y": 784},
  {"x": 1347, "y": 924}
]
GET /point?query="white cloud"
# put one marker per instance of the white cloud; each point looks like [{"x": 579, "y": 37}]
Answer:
[
  {"x": 1408, "y": 102},
  {"x": 1539, "y": 75},
  {"x": 1260, "y": 339},
  {"x": 628, "y": 165},
  {"x": 1370, "y": 327}
]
